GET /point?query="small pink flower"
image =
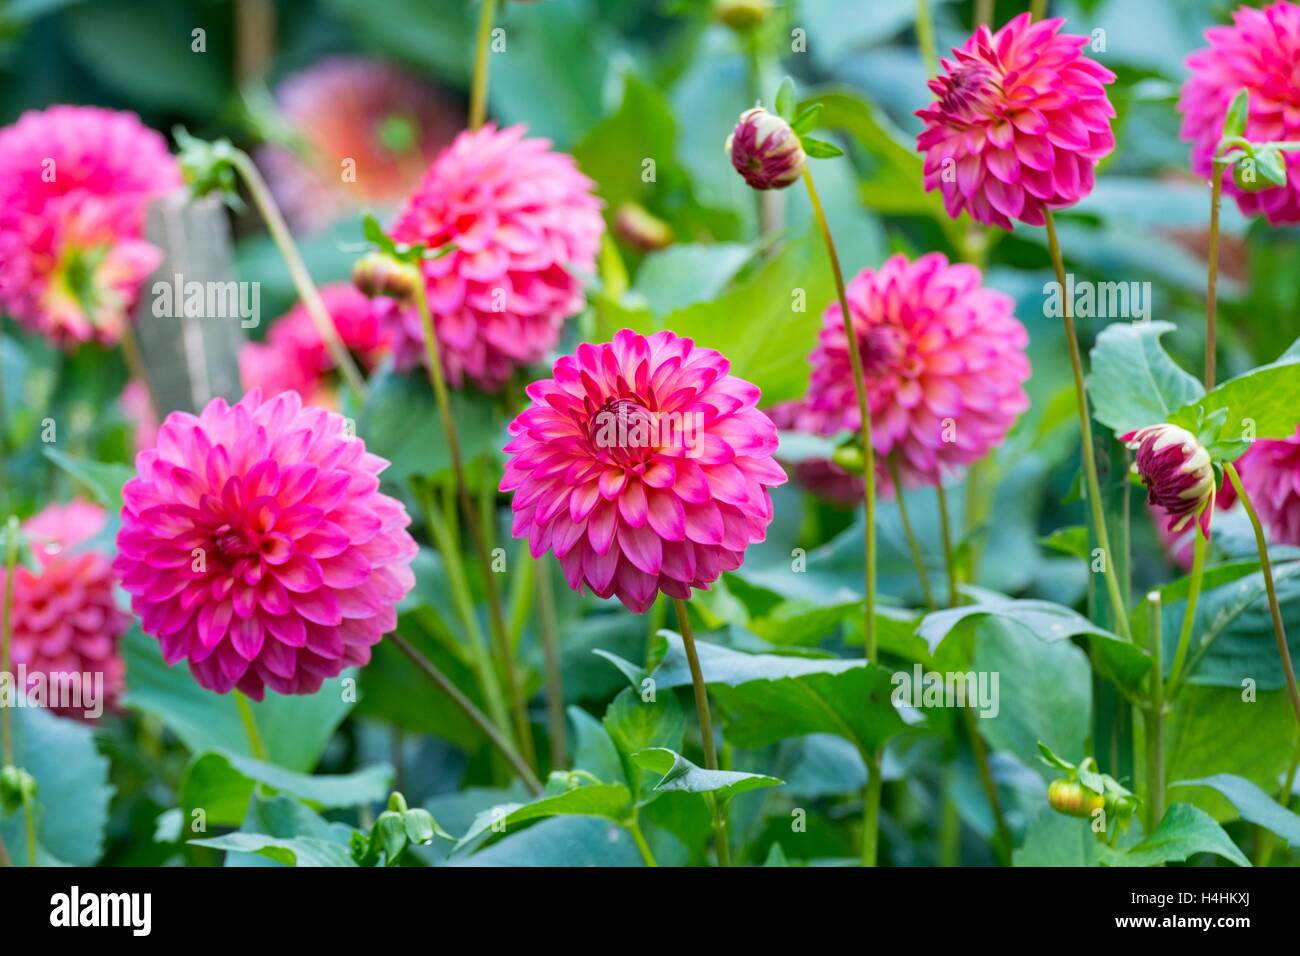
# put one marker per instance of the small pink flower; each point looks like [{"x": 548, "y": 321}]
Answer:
[
  {"x": 1259, "y": 52},
  {"x": 944, "y": 361},
  {"x": 74, "y": 185},
  {"x": 765, "y": 150},
  {"x": 644, "y": 466},
  {"x": 1177, "y": 472},
  {"x": 372, "y": 119},
  {"x": 64, "y": 618},
  {"x": 1021, "y": 121},
  {"x": 293, "y": 355},
  {"x": 1270, "y": 472},
  {"x": 525, "y": 226},
  {"x": 255, "y": 542}
]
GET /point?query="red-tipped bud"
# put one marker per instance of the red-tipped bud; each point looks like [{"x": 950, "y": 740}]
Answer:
[
  {"x": 765, "y": 150},
  {"x": 1177, "y": 472},
  {"x": 639, "y": 229}
]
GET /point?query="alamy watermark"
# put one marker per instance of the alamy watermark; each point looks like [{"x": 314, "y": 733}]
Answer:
[
  {"x": 921, "y": 689},
  {"x": 62, "y": 690},
  {"x": 1097, "y": 300},
  {"x": 180, "y": 298}
]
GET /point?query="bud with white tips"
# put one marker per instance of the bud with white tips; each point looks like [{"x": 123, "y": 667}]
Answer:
[
  {"x": 765, "y": 150},
  {"x": 1177, "y": 472}
]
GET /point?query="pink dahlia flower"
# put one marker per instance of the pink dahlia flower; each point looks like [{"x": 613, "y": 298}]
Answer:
[
  {"x": 944, "y": 360},
  {"x": 354, "y": 116},
  {"x": 1020, "y": 123},
  {"x": 74, "y": 185},
  {"x": 293, "y": 355},
  {"x": 525, "y": 226},
  {"x": 1270, "y": 471},
  {"x": 1177, "y": 473},
  {"x": 821, "y": 476},
  {"x": 1258, "y": 52},
  {"x": 644, "y": 466},
  {"x": 256, "y": 543},
  {"x": 64, "y": 618}
]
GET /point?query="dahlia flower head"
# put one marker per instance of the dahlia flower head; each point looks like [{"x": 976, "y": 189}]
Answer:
[
  {"x": 386, "y": 121},
  {"x": 1177, "y": 472},
  {"x": 255, "y": 542},
  {"x": 945, "y": 365},
  {"x": 1270, "y": 473},
  {"x": 64, "y": 617},
  {"x": 524, "y": 225},
  {"x": 294, "y": 356},
  {"x": 1020, "y": 123},
  {"x": 644, "y": 466},
  {"x": 1258, "y": 52},
  {"x": 75, "y": 182}
]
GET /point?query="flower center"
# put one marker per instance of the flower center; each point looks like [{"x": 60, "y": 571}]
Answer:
[
  {"x": 231, "y": 544},
  {"x": 971, "y": 90},
  {"x": 624, "y": 430},
  {"x": 883, "y": 349}
]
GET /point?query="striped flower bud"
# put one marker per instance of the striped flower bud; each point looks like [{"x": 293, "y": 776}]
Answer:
[
  {"x": 765, "y": 150},
  {"x": 1177, "y": 472}
]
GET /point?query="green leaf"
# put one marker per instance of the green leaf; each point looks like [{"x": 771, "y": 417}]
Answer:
[
  {"x": 679, "y": 774},
  {"x": 1072, "y": 541},
  {"x": 1234, "y": 122},
  {"x": 295, "y": 729},
  {"x": 1134, "y": 382},
  {"x": 767, "y": 325},
  {"x": 807, "y": 118},
  {"x": 72, "y": 789},
  {"x": 609, "y": 801},
  {"x": 400, "y": 422},
  {"x": 634, "y": 724},
  {"x": 1255, "y": 805},
  {"x": 1184, "y": 832},
  {"x": 292, "y": 851},
  {"x": 785, "y": 100},
  {"x": 769, "y": 697},
  {"x": 1270, "y": 165},
  {"x": 687, "y": 273},
  {"x": 104, "y": 480},
  {"x": 820, "y": 149},
  {"x": 594, "y": 750},
  {"x": 1262, "y": 403},
  {"x": 1057, "y": 840},
  {"x": 221, "y": 784}
]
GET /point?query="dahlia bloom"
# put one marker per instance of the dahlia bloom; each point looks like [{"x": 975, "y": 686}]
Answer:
[
  {"x": 1020, "y": 123},
  {"x": 944, "y": 361},
  {"x": 255, "y": 542},
  {"x": 644, "y": 466},
  {"x": 293, "y": 355},
  {"x": 765, "y": 150},
  {"x": 1270, "y": 472},
  {"x": 523, "y": 221},
  {"x": 821, "y": 476},
  {"x": 74, "y": 185},
  {"x": 1177, "y": 472},
  {"x": 64, "y": 618},
  {"x": 359, "y": 115},
  {"x": 1258, "y": 52}
]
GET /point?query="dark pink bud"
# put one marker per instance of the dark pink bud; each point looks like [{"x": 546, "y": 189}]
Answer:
[
  {"x": 765, "y": 150},
  {"x": 1177, "y": 472}
]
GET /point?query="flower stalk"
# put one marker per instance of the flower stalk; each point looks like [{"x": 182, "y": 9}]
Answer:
[
  {"x": 246, "y": 717},
  {"x": 1093, "y": 485},
  {"x": 1155, "y": 717},
  {"x": 706, "y": 728},
  {"x": 482, "y": 43}
]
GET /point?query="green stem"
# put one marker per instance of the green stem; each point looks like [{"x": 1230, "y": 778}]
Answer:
[
  {"x": 549, "y": 634},
  {"x": 1267, "y": 838},
  {"x": 1120, "y": 610},
  {"x": 984, "y": 13},
  {"x": 460, "y": 594},
  {"x": 476, "y": 716},
  {"x": 925, "y": 37},
  {"x": 913, "y": 545},
  {"x": 496, "y": 619},
  {"x": 12, "y": 532},
  {"x": 1038, "y": 9},
  {"x": 1155, "y": 719},
  {"x": 1212, "y": 273},
  {"x": 1279, "y": 632},
  {"x": 254, "y": 735},
  {"x": 1004, "y": 843},
  {"x": 949, "y": 556},
  {"x": 479, "y": 90},
  {"x": 871, "y": 811},
  {"x": 864, "y": 415},
  {"x": 949, "y": 829},
  {"x": 634, "y": 828},
  {"x": 706, "y": 726},
  {"x": 302, "y": 280},
  {"x": 1189, "y": 613}
]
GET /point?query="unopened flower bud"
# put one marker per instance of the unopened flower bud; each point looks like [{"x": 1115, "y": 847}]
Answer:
[
  {"x": 1073, "y": 799},
  {"x": 1177, "y": 472},
  {"x": 639, "y": 229},
  {"x": 741, "y": 15},
  {"x": 377, "y": 274},
  {"x": 765, "y": 150}
]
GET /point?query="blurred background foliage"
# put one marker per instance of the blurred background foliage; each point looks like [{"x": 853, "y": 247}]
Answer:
[{"x": 617, "y": 82}]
